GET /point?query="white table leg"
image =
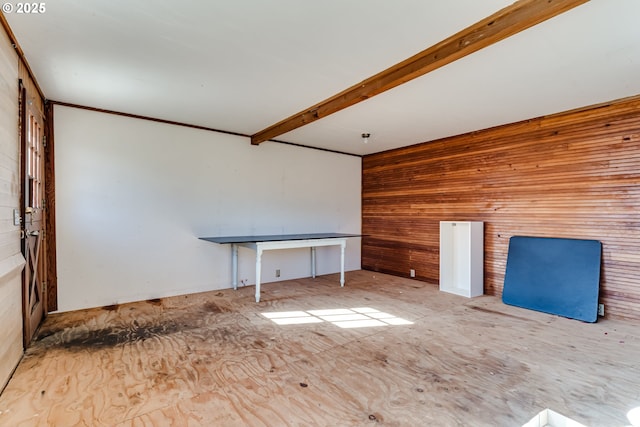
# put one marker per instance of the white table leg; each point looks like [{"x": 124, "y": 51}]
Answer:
[
  {"x": 234, "y": 266},
  {"x": 342, "y": 248},
  {"x": 313, "y": 262},
  {"x": 258, "y": 272}
]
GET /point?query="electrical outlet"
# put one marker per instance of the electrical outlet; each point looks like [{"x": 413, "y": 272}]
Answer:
[
  {"x": 278, "y": 272},
  {"x": 412, "y": 273},
  {"x": 600, "y": 309}
]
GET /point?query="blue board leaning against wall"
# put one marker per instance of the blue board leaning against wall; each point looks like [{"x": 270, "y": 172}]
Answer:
[{"x": 553, "y": 275}]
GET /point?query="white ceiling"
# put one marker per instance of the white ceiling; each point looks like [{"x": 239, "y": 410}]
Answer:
[{"x": 243, "y": 65}]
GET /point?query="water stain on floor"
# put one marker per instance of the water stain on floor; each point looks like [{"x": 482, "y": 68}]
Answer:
[{"x": 78, "y": 336}]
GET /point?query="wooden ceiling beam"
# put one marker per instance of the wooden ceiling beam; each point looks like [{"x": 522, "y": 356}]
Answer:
[{"x": 511, "y": 20}]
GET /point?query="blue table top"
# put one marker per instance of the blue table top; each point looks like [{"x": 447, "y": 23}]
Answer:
[{"x": 276, "y": 237}]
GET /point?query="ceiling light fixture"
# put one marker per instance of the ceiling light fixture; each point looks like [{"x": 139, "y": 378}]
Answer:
[{"x": 365, "y": 137}]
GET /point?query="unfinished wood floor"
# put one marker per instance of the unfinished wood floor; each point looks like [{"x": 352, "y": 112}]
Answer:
[{"x": 213, "y": 359}]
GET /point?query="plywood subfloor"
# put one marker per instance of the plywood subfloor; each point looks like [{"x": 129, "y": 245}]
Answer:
[{"x": 213, "y": 359}]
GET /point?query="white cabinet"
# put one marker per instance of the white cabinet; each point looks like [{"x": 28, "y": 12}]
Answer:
[{"x": 461, "y": 257}]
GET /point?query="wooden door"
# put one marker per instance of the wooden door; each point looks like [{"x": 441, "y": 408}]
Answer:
[{"x": 33, "y": 218}]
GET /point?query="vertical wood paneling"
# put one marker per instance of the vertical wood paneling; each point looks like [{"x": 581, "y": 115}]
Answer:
[
  {"x": 11, "y": 260},
  {"x": 573, "y": 175},
  {"x": 50, "y": 200}
]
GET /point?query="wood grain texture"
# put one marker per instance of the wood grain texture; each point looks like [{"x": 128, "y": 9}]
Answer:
[
  {"x": 50, "y": 218},
  {"x": 11, "y": 259},
  {"x": 570, "y": 175},
  {"x": 10, "y": 316},
  {"x": 214, "y": 359}
]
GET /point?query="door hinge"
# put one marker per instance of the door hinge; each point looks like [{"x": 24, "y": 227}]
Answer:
[{"x": 44, "y": 140}]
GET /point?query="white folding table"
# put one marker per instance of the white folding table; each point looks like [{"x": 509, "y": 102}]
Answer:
[{"x": 284, "y": 241}]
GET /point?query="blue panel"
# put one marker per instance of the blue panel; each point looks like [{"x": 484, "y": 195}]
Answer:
[{"x": 557, "y": 276}]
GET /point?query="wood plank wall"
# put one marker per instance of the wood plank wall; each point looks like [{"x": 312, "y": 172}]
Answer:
[
  {"x": 12, "y": 262},
  {"x": 572, "y": 175},
  {"x": 11, "y": 259}
]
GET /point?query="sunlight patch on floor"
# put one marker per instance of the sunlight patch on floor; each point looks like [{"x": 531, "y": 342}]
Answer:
[
  {"x": 634, "y": 416},
  {"x": 549, "y": 418},
  {"x": 360, "y": 317}
]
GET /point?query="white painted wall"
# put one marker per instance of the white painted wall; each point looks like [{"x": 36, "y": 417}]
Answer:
[{"x": 132, "y": 196}]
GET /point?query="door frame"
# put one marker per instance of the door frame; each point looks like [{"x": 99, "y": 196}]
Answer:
[
  {"x": 50, "y": 203},
  {"x": 34, "y": 245}
]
